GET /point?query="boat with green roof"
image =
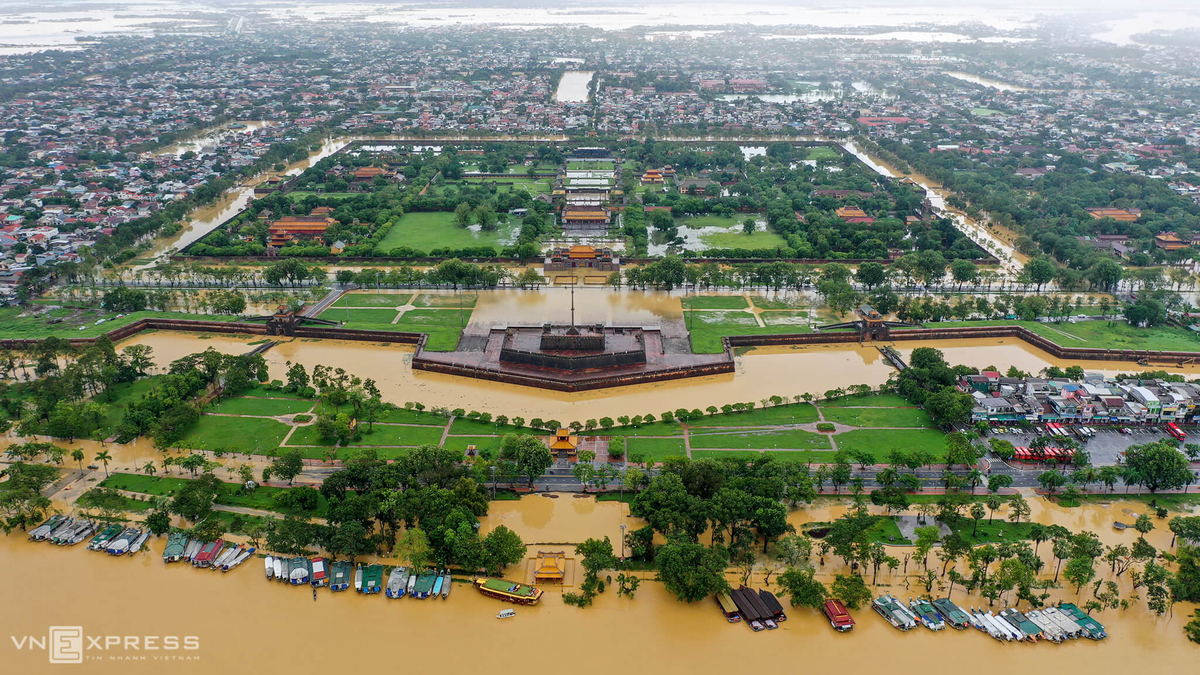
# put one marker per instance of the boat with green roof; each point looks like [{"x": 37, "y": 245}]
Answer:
[
  {"x": 954, "y": 615},
  {"x": 508, "y": 591},
  {"x": 339, "y": 578},
  {"x": 101, "y": 539},
  {"x": 424, "y": 584},
  {"x": 372, "y": 579},
  {"x": 1092, "y": 629},
  {"x": 176, "y": 544}
]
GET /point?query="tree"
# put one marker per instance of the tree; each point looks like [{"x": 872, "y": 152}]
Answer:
[
  {"x": 413, "y": 547},
  {"x": 963, "y": 271},
  {"x": 977, "y": 513},
  {"x": 78, "y": 456},
  {"x": 949, "y": 406},
  {"x": 104, "y": 458},
  {"x": 927, "y": 537},
  {"x": 802, "y": 588},
  {"x": 596, "y": 555},
  {"x": 1018, "y": 508},
  {"x": 1160, "y": 466},
  {"x": 851, "y": 590},
  {"x": 159, "y": 523},
  {"x": 462, "y": 214},
  {"x": 286, "y": 466},
  {"x": 1040, "y": 272},
  {"x": 691, "y": 571},
  {"x": 1051, "y": 480},
  {"x": 871, "y": 274},
  {"x": 532, "y": 457},
  {"x": 502, "y": 547}
]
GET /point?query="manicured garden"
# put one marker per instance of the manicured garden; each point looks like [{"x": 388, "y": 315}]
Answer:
[
  {"x": 236, "y": 434},
  {"x": 427, "y": 230}
]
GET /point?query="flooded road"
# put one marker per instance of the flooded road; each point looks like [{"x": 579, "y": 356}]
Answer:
[{"x": 246, "y": 624}]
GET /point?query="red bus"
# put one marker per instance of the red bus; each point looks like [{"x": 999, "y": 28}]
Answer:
[{"x": 1175, "y": 431}]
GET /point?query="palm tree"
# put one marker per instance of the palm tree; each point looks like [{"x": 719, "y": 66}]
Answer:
[
  {"x": 104, "y": 458},
  {"x": 149, "y": 469},
  {"x": 78, "y": 455}
]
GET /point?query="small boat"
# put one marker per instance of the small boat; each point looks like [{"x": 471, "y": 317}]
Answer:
[
  {"x": 839, "y": 617},
  {"x": 97, "y": 543},
  {"x": 728, "y": 608},
  {"x": 80, "y": 534},
  {"x": 953, "y": 615},
  {"x": 1019, "y": 621},
  {"x": 269, "y": 561},
  {"x": 506, "y": 614},
  {"x": 395, "y": 583},
  {"x": 772, "y": 604},
  {"x": 223, "y": 555},
  {"x": 176, "y": 544},
  {"x": 424, "y": 584},
  {"x": 63, "y": 531},
  {"x": 895, "y": 613},
  {"x": 1092, "y": 629},
  {"x": 193, "y": 548},
  {"x": 320, "y": 573},
  {"x": 358, "y": 579},
  {"x": 120, "y": 545},
  {"x": 446, "y": 584},
  {"x": 508, "y": 591},
  {"x": 412, "y": 584},
  {"x": 139, "y": 543},
  {"x": 208, "y": 553},
  {"x": 241, "y": 558},
  {"x": 42, "y": 531},
  {"x": 277, "y": 568},
  {"x": 926, "y": 614},
  {"x": 341, "y": 572},
  {"x": 299, "y": 571},
  {"x": 437, "y": 585},
  {"x": 372, "y": 579}
]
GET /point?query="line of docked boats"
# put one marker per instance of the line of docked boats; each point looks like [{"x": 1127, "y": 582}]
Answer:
[
  {"x": 339, "y": 575},
  {"x": 215, "y": 555},
  {"x": 1053, "y": 623},
  {"x": 759, "y": 609},
  {"x": 112, "y": 539}
]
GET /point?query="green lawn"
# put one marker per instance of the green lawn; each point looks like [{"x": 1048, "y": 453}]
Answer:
[
  {"x": 881, "y": 442},
  {"x": 382, "y": 299},
  {"x": 884, "y": 530},
  {"x": 243, "y": 433},
  {"x": 481, "y": 443},
  {"x": 392, "y": 435},
  {"x": 821, "y": 152},
  {"x": 463, "y": 426},
  {"x": 381, "y": 452},
  {"x": 427, "y": 230},
  {"x": 871, "y": 401},
  {"x": 784, "y": 414},
  {"x": 404, "y": 416},
  {"x": 985, "y": 112},
  {"x": 791, "y": 318},
  {"x": 230, "y": 494},
  {"x": 66, "y": 323},
  {"x": 793, "y": 439},
  {"x": 1099, "y": 334},
  {"x": 297, "y": 195},
  {"x": 707, "y": 329},
  {"x": 878, "y": 417},
  {"x": 263, "y": 407},
  {"x": 443, "y": 326},
  {"x": 777, "y": 455},
  {"x": 655, "y": 449},
  {"x": 739, "y": 239},
  {"x": 357, "y": 316},
  {"x": 308, "y": 436},
  {"x": 714, "y": 302},
  {"x": 999, "y": 530},
  {"x": 655, "y": 429}
]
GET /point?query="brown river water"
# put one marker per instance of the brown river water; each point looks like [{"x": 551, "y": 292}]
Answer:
[{"x": 246, "y": 624}]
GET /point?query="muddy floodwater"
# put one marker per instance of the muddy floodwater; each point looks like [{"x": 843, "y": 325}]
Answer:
[{"x": 246, "y": 624}]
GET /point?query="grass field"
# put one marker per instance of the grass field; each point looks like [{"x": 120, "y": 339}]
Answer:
[
  {"x": 447, "y": 300},
  {"x": 297, "y": 195},
  {"x": 66, "y": 323},
  {"x": 793, "y": 439},
  {"x": 655, "y": 449},
  {"x": 366, "y": 299},
  {"x": 360, "y": 317},
  {"x": 308, "y": 436},
  {"x": 124, "y": 394},
  {"x": 881, "y": 442},
  {"x": 739, "y": 239},
  {"x": 655, "y": 429},
  {"x": 871, "y": 401},
  {"x": 393, "y": 435},
  {"x": 878, "y": 417},
  {"x": 442, "y": 325},
  {"x": 708, "y": 328},
  {"x": 714, "y": 302},
  {"x": 770, "y": 303},
  {"x": 468, "y": 427},
  {"x": 786, "y": 318},
  {"x": 263, "y": 407},
  {"x": 785, "y": 414},
  {"x": 777, "y": 455},
  {"x": 246, "y": 434},
  {"x": 1119, "y": 335},
  {"x": 821, "y": 152},
  {"x": 428, "y": 230},
  {"x": 481, "y": 443},
  {"x": 230, "y": 494}
]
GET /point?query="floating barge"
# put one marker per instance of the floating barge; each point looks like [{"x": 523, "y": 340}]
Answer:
[
  {"x": 729, "y": 609},
  {"x": 953, "y": 615},
  {"x": 895, "y": 613},
  {"x": 839, "y": 617},
  {"x": 508, "y": 591},
  {"x": 339, "y": 579},
  {"x": 208, "y": 553},
  {"x": 1092, "y": 629},
  {"x": 372, "y": 579}
]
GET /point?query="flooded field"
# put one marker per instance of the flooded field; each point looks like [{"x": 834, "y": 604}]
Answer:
[
  {"x": 573, "y": 87},
  {"x": 241, "y": 619}
]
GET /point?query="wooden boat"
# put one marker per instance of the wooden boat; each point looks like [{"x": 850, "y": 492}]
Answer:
[
  {"x": 1012, "y": 633},
  {"x": 139, "y": 543},
  {"x": 97, "y": 543},
  {"x": 193, "y": 548},
  {"x": 1017, "y": 620},
  {"x": 372, "y": 579},
  {"x": 424, "y": 584},
  {"x": 729, "y": 609},
  {"x": 771, "y": 602},
  {"x": 224, "y": 556},
  {"x": 1092, "y": 629},
  {"x": 320, "y": 573},
  {"x": 42, "y": 531},
  {"x": 176, "y": 544},
  {"x": 893, "y": 612},
  {"x": 506, "y": 614},
  {"x": 926, "y": 614},
  {"x": 269, "y": 561},
  {"x": 299, "y": 571},
  {"x": 952, "y": 614},
  {"x": 65, "y": 536},
  {"x": 396, "y": 583},
  {"x": 508, "y": 591},
  {"x": 341, "y": 576},
  {"x": 241, "y": 558},
  {"x": 64, "y": 531},
  {"x": 839, "y": 617},
  {"x": 447, "y": 584}
]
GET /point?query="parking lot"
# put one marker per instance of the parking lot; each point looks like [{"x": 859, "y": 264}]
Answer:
[{"x": 1105, "y": 447}]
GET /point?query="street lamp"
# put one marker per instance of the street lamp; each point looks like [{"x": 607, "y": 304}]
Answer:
[{"x": 622, "y": 541}]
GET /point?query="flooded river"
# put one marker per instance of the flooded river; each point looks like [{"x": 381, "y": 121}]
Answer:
[{"x": 245, "y": 624}]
